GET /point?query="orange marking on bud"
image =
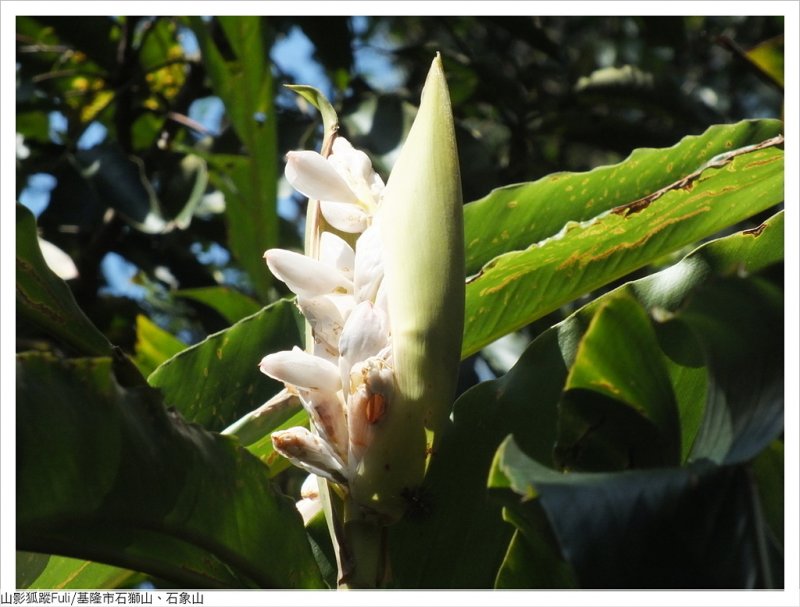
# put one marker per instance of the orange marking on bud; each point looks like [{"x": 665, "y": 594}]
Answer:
[{"x": 376, "y": 407}]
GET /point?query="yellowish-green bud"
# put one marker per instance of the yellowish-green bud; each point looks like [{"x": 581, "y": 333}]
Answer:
[{"x": 421, "y": 222}]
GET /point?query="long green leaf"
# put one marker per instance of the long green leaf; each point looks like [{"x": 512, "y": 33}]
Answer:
[
  {"x": 46, "y": 300},
  {"x": 129, "y": 484},
  {"x": 516, "y": 288},
  {"x": 217, "y": 381},
  {"x": 514, "y": 217},
  {"x": 244, "y": 83}
]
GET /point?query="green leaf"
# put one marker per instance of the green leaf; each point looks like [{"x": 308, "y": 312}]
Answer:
[
  {"x": 153, "y": 345},
  {"x": 46, "y": 300},
  {"x": 768, "y": 58},
  {"x": 658, "y": 528},
  {"x": 533, "y": 559},
  {"x": 619, "y": 410},
  {"x": 316, "y": 98},
  {"x": 768, "y": 468},
  {"x": 743, "y": 344},
  {"x": 454, "y": 536},
  {"x": 244, "y": 83},
  {"x": 231, "y": 304},
  {"x": 518, "y": 287},
  {"x": 36, "y": 570},
  {"x": 514, "y": 217},
  {"x": 217, "y": 381},
  {"x": 134, "y": 486}
]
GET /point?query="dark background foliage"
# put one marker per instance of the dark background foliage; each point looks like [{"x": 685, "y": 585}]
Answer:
[{"x": 135, "y": 97}]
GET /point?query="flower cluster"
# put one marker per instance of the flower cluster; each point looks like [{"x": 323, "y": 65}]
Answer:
[{"x": 346, "y": 384}]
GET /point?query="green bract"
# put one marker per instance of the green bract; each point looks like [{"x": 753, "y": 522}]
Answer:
[{"x": 422, "y": 232}]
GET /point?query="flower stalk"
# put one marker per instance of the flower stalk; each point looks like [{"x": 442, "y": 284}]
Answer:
[{"x": 381, "y": 286}]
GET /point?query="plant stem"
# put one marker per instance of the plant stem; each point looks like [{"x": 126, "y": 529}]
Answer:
[{"x": 364, "y": 539}]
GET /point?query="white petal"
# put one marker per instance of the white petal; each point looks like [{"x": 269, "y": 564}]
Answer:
[
  {"x": 326, "y": 411},
  {"x": 301, "y": 369},
  {"x": 313, "y": 176},
  {"x": 365, "y": 334},
  {"x": 325, "y": 319},
  {"x": 310, "y": 487},
  {"x": 306, "y": 276},
  {"x": 337, "y": 253},
  {"x": 310, "y": 452},
  {"x": 368, "y": 272},
  {"x": 345, "y": 217},
  {"x": 356, "y": 169},
  {"x": 57, "y": 260},
  {"x": 308, "y": 508}
]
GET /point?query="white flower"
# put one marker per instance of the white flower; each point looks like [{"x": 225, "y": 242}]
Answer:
[
  {"x": 348, "y": 189},
  {"x": 385, "y": 310},
  {"x": 345, "y": 386}
]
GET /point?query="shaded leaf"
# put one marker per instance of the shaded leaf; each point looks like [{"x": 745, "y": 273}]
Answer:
[
  {"x": 46, "y": 300},
  {"x": 183, "y": 188},
  {"x": 134, "y": 486},
  {"x": 619, "y": 410},
  {"x": 217, "y": 381},
  {"x": 533, "y": 559},
  {"x": 119, "y": 182},
  {"x": 659, "y": 528},
  {"x": 768, "y": 468}
]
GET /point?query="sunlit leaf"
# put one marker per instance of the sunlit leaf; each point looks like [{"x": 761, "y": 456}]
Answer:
[
  {"x": 153, "y": 345},
  {"x": 516, "y": 216},
  {"x": 619, "y": 410},
  {"x": 232, "y": 305},
  {"x": 217, "y": 381},
  {"x": 516, "y": 288},
  {"x": 36, "y": 570},
  {"x": 768, "y": 57}
]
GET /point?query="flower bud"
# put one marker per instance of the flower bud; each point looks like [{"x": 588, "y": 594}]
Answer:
[
  {"x": 302, "y": 370},
  {"x": 421, "y": 223},
  {"x": 307, "y": 451}
]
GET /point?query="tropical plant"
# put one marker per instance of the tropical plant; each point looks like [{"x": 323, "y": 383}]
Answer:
[{"x": 625, "y": 313}]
